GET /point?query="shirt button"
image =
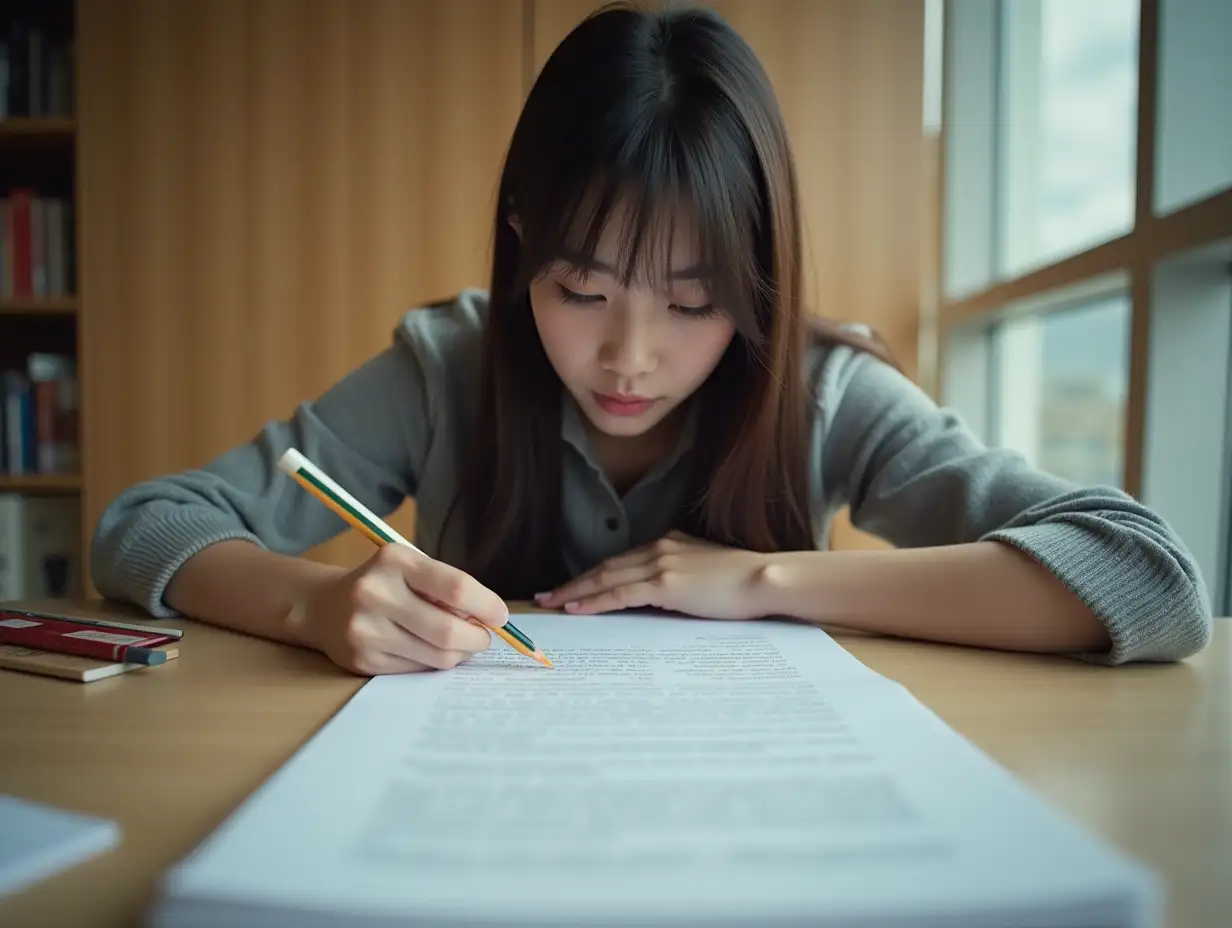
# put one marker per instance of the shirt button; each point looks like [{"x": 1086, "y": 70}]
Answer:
[{"x": 612, "y": 523}]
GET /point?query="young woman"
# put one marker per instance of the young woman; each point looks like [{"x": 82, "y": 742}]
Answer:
[{"x": 639, "y": 411}]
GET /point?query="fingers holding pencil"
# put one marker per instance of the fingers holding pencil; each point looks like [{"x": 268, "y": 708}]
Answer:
[
  {"x": 460, "y": 596},
  {"x": 448, "y": 586},
  {"x": 460, "y": 612},
  {"x": 371, "y": 621},
  {"x": 459, "y": 586}
]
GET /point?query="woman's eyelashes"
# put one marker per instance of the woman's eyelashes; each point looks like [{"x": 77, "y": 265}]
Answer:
[
  {"x": 568, "y": 295},
  {"x": 584, "y": 299},
  {"x": 704, "y": 311}
]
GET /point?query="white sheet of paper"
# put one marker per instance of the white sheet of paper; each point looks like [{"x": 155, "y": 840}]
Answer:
[
  {"x": 38, "y": 840},
  {"x": 668, "y": 770}
]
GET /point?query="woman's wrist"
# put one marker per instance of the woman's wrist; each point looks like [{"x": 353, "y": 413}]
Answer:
[
  {"x": 786, "y": 582},
  {"x": 239, "y": 585}
]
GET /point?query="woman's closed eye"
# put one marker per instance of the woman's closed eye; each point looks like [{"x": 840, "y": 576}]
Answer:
[
  {"x": 585, "y": 299},
  {"x": 704, "y": 311},
  {"x": 690, "y": 311}
]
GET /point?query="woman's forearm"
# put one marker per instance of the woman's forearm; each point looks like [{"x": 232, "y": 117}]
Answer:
[
  {"x": 241, "y": 586},
  {"x": 984, "y": 594}
]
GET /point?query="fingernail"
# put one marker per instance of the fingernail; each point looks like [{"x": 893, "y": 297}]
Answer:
[
  {"x": 539, "y": 597},
  {"x": 570, "y": 606}
]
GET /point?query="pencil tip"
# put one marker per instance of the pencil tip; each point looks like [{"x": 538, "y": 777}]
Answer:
[{"x": 542, "y": 658}]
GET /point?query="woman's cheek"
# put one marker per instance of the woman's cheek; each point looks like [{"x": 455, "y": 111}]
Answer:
[{"x": 565, "y": 333}]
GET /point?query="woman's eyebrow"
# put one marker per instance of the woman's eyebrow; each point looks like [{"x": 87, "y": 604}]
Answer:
[{"x": 593, "y": 264}]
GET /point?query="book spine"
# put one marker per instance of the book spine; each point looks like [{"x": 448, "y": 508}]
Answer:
[
  {"x": 12, "y": 547},
  {"x": 4, "y": 78},
  {"x": 91, "y": 622},
  {"x": 35, "y": 70},
  {"x": 68, "y": 420},
  {"x": 64, "y": 625},
  {"x": 9, "y": 290},
  {"x": 38, "y": 246},
  {"x": 54, "y": 387},
  {"x": 103, "y": 646},
  {"x": 46, "y": 403},
  {"x": 20, "y": 228},
  {"x": 6, "y": 250},
  {"x": 29, "y": 437},
  {"x": 18, "y": 96},
  {"x": 16, "y": 428},
  {"x": 56, "y": 280}
]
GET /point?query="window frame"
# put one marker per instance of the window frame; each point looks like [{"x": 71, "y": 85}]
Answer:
[{"x": 969, "y": 297}]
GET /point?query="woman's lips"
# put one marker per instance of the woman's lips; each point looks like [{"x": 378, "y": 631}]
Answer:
[{"x": 618, "y": 405}]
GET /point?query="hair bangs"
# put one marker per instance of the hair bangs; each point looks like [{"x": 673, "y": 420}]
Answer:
[{"x": 677, "y": 203}]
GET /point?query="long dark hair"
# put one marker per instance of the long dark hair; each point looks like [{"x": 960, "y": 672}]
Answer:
[{"x": 654, "y": 110}]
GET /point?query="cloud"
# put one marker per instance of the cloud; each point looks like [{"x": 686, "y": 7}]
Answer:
[{"x": 1087, "y": 59}]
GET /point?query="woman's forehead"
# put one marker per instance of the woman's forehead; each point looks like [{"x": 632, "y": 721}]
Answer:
[{"x": 636, "y": 238}]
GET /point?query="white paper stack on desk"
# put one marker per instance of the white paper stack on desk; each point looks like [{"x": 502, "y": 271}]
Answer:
[{"x": 667, "y": 772}]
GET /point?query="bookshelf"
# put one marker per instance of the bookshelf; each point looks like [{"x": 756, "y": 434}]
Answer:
[
  {"x": 43, "y": 484},
  {"x": 33, "y": 128},
  {"x": 41, "y": 509},
  {"x": 22, "y": 306}
]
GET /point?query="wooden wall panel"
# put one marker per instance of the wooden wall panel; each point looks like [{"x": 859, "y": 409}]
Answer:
[
  {"x": 266, "y": 184},
  {"x": 265, "y": 187},
  {"x": 849, "y": 78},
  {"x": 550, "y": 21}
]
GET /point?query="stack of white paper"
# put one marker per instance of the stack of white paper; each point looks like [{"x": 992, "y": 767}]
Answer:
[{"x": 669, "y": 771}]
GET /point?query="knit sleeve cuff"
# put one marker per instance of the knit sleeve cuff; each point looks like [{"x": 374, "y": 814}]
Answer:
[
  {"x": 148, "y": 558},
  {"x": 1145, "y": 600}
]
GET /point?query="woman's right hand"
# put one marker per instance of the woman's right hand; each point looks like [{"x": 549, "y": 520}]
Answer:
[{"x": 392, "y": 615}]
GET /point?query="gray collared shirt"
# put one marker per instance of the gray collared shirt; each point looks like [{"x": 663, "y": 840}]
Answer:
[
  {"x": 602, "y": 523},
  {"x": 911, "y": 472}
]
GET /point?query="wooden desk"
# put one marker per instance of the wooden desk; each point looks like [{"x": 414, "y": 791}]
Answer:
[{"x": 1141, "y": 755}]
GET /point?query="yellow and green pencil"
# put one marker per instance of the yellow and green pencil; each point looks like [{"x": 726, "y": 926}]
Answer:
[{"x": 320, "y": 485}]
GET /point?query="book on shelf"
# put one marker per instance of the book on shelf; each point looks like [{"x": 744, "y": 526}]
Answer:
[
  {"x": 37, "y": 63},
  {"x": 37, "y": 252},
  {"x": 40, "y": 547},
  {"x": 38, "y": 417}
]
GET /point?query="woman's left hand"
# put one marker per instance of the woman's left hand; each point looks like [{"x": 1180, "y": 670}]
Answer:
[{"x": 677, "y": 572}]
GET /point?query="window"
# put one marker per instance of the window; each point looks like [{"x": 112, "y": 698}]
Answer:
[
  {"x": 1067, "y": 139},
  {"x": 1061, "y": 380},
  {"x": 1188, "y": 403},
  {"x": 1194, "y": 124},
  {"x": 1073, "y": 324}
]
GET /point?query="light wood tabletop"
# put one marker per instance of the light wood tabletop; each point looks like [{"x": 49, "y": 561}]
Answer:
[{"x": 1141, "y": 755}]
